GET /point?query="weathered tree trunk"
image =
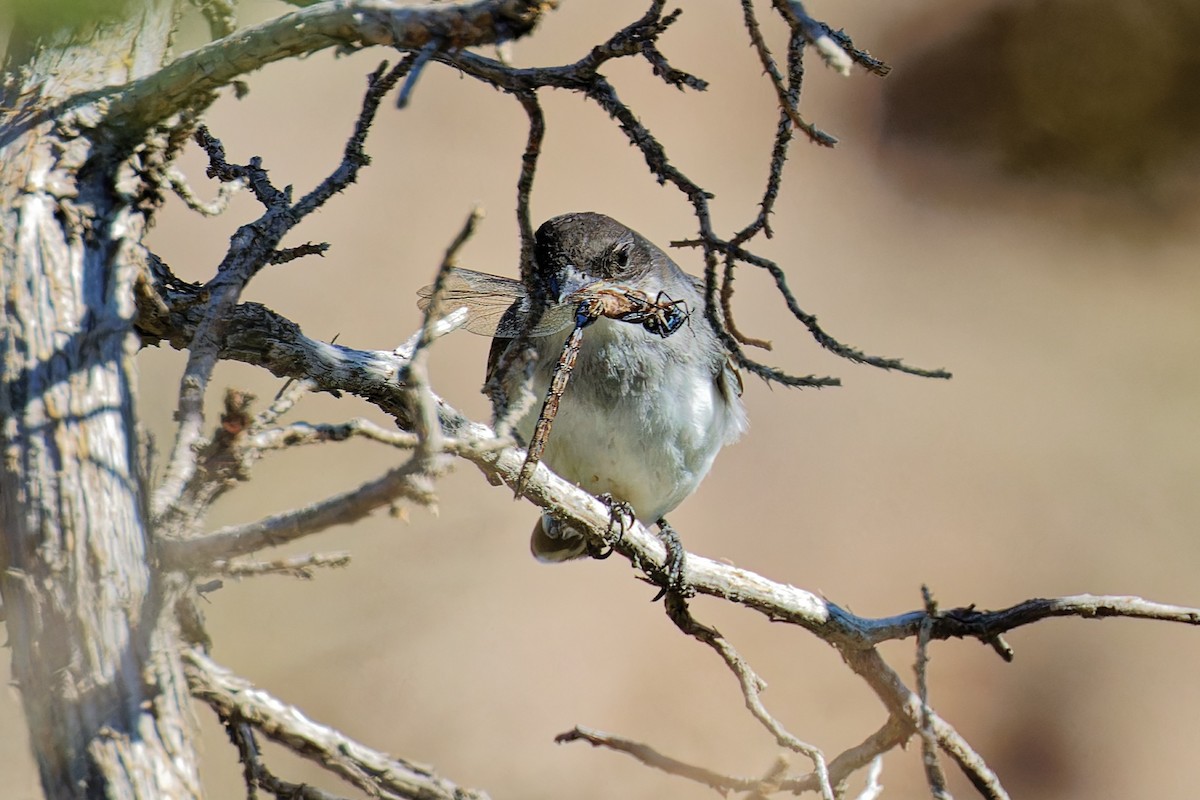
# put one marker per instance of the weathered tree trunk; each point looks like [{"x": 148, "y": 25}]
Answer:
[{"x": 89, "y": 621}]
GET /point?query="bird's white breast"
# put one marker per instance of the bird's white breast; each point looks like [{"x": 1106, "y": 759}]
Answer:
[{"x": 642, "y": 417}]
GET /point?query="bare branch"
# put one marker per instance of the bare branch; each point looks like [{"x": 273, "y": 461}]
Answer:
[
  {"x": 962, "y": 623},
  {"x": 411, "y": 481},
  {"x": 352, "y": 24},
  {"x": 751, "y": 685},
  {"x": 933, "y": 770},
  {"x": 302, "y": 433},
  {"x": 258, "y": 336},
  {"x": 652, "y": 758},
  {"x": 373, "y": 772},
  {"x": 215, "y": 207},
  {"x": 255, "y": 771},
  {"x": 295, "y": 567},
  {"x": 893, "y": 734},
  {"x": 905, "y": 706},
  {"x": 252, "y": 247},
  {"x": 286, "y": 254},
  {"x": 787, "y": 99},
  {"x": 398, "y": 384}
]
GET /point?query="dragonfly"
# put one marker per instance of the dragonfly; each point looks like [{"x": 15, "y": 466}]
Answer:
[{"x": 499, "y": 307}]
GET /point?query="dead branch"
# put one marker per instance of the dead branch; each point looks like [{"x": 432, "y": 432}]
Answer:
[
  {"x": 253, "y": 247},
  {"x": 192, "y": 78},
  {"x": 652, "y": 758},
  {"x": 412, "y": 482},
  {"x": 375, "y": 773},
  {"x": 295, "y": 567}
]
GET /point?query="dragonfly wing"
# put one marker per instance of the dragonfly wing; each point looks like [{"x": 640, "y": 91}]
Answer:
[
  {"x": 496, "y": 306},
  {"x": 493, "y": 303}
]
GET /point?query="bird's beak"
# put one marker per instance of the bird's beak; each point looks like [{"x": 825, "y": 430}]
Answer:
[{"x": 572, "y": 284}]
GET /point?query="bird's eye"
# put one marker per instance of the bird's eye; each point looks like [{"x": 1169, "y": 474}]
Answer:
[{"x": 621, "y": 256}]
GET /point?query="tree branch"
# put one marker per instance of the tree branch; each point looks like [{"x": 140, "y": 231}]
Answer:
[
  {"x": 256, "y": 335},
  {"x": 347, "y": 24},
  {"x": 411, "y": 481},
  {"x": 373, "y": 772},
  {"x": 252, "y": 247}
]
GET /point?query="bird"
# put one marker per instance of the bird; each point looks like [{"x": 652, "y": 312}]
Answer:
[{"x": 645, "y": 411}]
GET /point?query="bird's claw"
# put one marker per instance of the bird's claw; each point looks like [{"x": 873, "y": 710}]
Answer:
[
  {"x": 672, "y": 577},
  {"x": 620, "y": 517}
]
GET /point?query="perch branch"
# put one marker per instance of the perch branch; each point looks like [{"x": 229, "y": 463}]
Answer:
[{"x": 258, "y": 336}]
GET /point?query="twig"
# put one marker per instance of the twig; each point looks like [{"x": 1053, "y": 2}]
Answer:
[
  {"x": 652, "y": 758},
  {"x": 286, "y": 254},
  {"x": 418, "y": 66},
  {"x": 255, "y": 772},
  {"x": 893, "y": 734},
  {"x": 933, "y": 770},
  {"x": 253, "y": 246},
  {"x": 373, "y": 772},
  {"x": 215, "y": 207},
  {"x": 236, "y": 270},
  {"x": 815, "y": 33},
  {"x": 506, "y": 412},
  {"x": 874, "y": 789},
  {"x": 751, "y": 686},
  {"x": 787, "y": 104},
  {"x": 810, "y": 321},
  {"x": 416, "y": 375},
  {"x": 296, "y": 567},
  {"x": 905, "y": 706},
  {"x": 305, "y": 433},
  {"x": 410, "y": 481},
  {"x": 285, "y": 400}
]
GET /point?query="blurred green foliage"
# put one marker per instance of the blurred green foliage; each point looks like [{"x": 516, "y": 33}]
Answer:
[{"x": 37, "y": 18}]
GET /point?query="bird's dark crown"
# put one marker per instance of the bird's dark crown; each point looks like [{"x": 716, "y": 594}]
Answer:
[{"x": 594, "y": 244}]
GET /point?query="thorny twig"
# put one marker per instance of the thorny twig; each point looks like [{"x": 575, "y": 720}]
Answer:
[{"x": 253, "y": 247}]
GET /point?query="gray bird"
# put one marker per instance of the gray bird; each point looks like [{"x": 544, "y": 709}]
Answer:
[{"x": 645, "y": 411}]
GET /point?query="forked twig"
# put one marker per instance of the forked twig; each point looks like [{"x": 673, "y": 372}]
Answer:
[
  {"x": 252, "y": 247},
  {"x": 751, "y": 685}
]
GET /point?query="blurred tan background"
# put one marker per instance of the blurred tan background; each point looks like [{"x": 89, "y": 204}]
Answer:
[{"x": 1018, "y": 202}]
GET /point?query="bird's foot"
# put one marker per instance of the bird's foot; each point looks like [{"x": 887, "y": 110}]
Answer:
[
  {"x": 620, "y": 517},
  {"x": 671, "y": 577}
]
